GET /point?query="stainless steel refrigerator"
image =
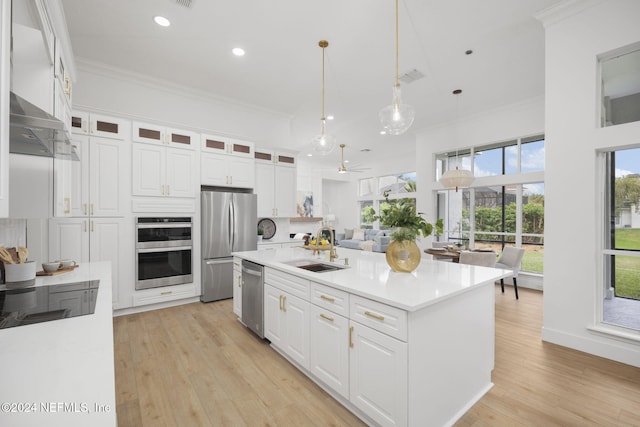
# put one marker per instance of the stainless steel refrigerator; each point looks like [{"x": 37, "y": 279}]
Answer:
[{"x": 228, "y": 225}]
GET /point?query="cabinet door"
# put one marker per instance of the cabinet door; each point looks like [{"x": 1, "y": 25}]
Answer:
[
  {"x": 181, "y": 138},
  {"x": 108, "y": 242},
  {"x": 242, "y": 172},
  {"x": 180, "y": 166},
  {"x": 80, "y": 122},
  {"x": 273, "y": 315},
  {"x": 329, "y": 348},
  {"x": 240, "y": 148},
  {"x": 214, "y": 169},
  {"x": 107, "y": 176},
  {"x": 237, "y": 287},
  {"x": 144, "y": 132},
  {"x": 264, "y": 188},
  {"x": 296, "y": 341},
  {"x": 285, "y": 191},
  {"x": 107, "y": 127},
  {"x": 148, "y": 172},
  {"x": 62, "y": 182},
  {"x": 378, "y": 375},
  {"x": 69, "y": 239}
]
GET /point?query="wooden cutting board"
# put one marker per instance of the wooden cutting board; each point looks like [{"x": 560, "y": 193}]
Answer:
[{"x": 55, "y": 273}]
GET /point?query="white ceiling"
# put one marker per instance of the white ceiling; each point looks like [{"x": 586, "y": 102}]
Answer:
[{"x": 281, "y": 70}]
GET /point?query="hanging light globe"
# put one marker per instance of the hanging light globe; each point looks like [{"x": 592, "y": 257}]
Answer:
[
  {"x": 324, "y": 143},
  {"x": 397, "y": 117}
]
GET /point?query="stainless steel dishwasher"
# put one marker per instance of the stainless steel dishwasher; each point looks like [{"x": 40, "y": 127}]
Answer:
[{"x": 252, "y": 296}]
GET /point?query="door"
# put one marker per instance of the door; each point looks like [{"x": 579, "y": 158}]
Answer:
[
  {"x": 106, "y": 177},
  {"x": 244, "y": 222},
  {"x": 216, "y": 224},
  {"x": 273, "y": 315},
  {"x": 217, "y": 279},
  {"x": 265, "y": 189},
  {"x": 69, "y": 239}
]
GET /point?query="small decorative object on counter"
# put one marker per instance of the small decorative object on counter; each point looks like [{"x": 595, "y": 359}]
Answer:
[{"x": 260, "y": 233}]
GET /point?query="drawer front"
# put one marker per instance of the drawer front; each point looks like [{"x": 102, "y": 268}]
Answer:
[
  {"x": 332, "y": 299},
  {"x": 381, "y": 317},
  {"x": 287, "y": 282}
]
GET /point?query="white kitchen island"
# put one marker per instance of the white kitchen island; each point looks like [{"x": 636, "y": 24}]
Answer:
[
  {"x": 397, "y": 349},
  {"x": 61, "y": 372}
]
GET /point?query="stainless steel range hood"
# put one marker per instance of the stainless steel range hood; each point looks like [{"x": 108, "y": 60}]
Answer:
[{"x": 37, "y": 133}]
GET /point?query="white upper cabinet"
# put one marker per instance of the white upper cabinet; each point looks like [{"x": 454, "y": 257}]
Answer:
[
  {"x": 227, "y": 162},
  {"x": 98, "y": 125},
  {"x": 97, "y": 185},
  {"x": 162, "y": 171},
  {"x": 276, "y": 177},
  {"x": 158, "y": 134}
]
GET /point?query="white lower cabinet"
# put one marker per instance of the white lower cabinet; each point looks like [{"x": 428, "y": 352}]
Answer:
[
  {"x": 329, "y": 349},
  {"x": 378, "y": 375},
  {"x": 237, "y": 287},
  {"x": 287, "y": 326},
  {"x": 366, "y": 365}
]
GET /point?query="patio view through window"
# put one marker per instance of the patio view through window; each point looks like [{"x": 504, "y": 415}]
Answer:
[
  {"x": 511, "y": 214},
  {"x": 622, "y": 244},
  {"x": 371, "y": 194}
]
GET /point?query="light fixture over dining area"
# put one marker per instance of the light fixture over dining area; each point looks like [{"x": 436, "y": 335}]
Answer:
[
  {"x": 397, "y": 117},
  {"x": 457, "y": 178},
  {"x": 323, "y": 143}
]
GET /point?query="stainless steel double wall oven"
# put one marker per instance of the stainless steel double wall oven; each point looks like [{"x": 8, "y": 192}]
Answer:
[{"x": 164, "y": 248}]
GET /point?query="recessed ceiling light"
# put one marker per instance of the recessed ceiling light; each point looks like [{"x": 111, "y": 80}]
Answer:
[
  {"x": 346, "y": 161},
  {"x": 329, "y": 117},
  {"x": 162, "y": 21},
  {"x": 238, "y": 51},
  {"x": 383, "y": 132},
  {"x": 309, "y": 155}
]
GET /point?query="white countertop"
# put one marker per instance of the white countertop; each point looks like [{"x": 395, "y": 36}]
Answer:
[
  {"x": 59, "y": 373},
  {"x": 370, "y": 276},
  {"x": 276, "y": 241}
]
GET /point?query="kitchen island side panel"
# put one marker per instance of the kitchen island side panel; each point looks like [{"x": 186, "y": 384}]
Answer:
[{"x": 451, "y": 356}]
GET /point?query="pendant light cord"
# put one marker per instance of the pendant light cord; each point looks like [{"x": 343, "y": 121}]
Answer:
[
  {"x": 397, "y": 80},
  {"x": 323, "y": 44}
]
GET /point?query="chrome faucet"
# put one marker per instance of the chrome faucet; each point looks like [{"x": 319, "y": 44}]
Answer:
[{"x": 333, "y": 254}]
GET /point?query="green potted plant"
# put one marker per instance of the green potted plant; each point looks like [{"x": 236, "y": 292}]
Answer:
[
  {"x": 400, "y": 215},
  {"x": 260, "y": 233}
]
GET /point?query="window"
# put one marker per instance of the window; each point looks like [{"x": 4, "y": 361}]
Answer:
[
  {"x": 371, "y": 194},
  {"x": 395, "y": 184},
  {"x": 509, "y": 213},
  {"x": 620, "y": 86},
  {"x": 622, "y": 245}
]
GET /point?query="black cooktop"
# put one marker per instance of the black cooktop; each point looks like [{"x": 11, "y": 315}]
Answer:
[{"x": 35, "y": 304}]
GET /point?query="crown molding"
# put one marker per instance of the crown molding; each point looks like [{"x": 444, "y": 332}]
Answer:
[{"x": 563, "y": 10}]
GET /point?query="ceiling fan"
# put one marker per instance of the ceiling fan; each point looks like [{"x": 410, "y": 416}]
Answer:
[{"x": 343, "y": 168}]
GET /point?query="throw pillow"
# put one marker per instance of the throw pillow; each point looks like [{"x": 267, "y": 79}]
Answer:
[
  {"x": 380, "y": 234},
  {"x": 358, "y": 234},
  {"x": 348, "y": 233}
]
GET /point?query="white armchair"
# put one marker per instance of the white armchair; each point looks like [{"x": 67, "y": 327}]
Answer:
[
  {"x": 511, "y": 259},
  {"x": 484, "y": 259}
]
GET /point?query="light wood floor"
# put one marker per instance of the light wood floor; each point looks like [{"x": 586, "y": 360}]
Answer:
[{"x": 195, "y": 365}]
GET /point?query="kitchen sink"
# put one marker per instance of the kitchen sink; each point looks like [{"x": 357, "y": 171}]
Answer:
[{"x": 316, "y": 267}]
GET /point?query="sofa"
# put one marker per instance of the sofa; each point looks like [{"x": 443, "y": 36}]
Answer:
[{"x": 364, "y": 239}]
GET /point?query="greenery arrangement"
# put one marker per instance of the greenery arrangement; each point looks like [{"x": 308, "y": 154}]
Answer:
[
  {"x": 260, "y": 231},
  {"x": 401, "y": 216}
]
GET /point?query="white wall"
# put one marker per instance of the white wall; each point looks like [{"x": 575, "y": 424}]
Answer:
[
  {"x": 121, "y": 93},
  {"x": 573, "y": 275},
  {"x": 339, "y": 197}
]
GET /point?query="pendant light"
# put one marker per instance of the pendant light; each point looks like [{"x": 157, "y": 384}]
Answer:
[
  {"x": 323, "y": 143},
  {"x": 397, "y": 117},
  {"x": 342, "y": 168},
  {"x": 457, "y": 178}
]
